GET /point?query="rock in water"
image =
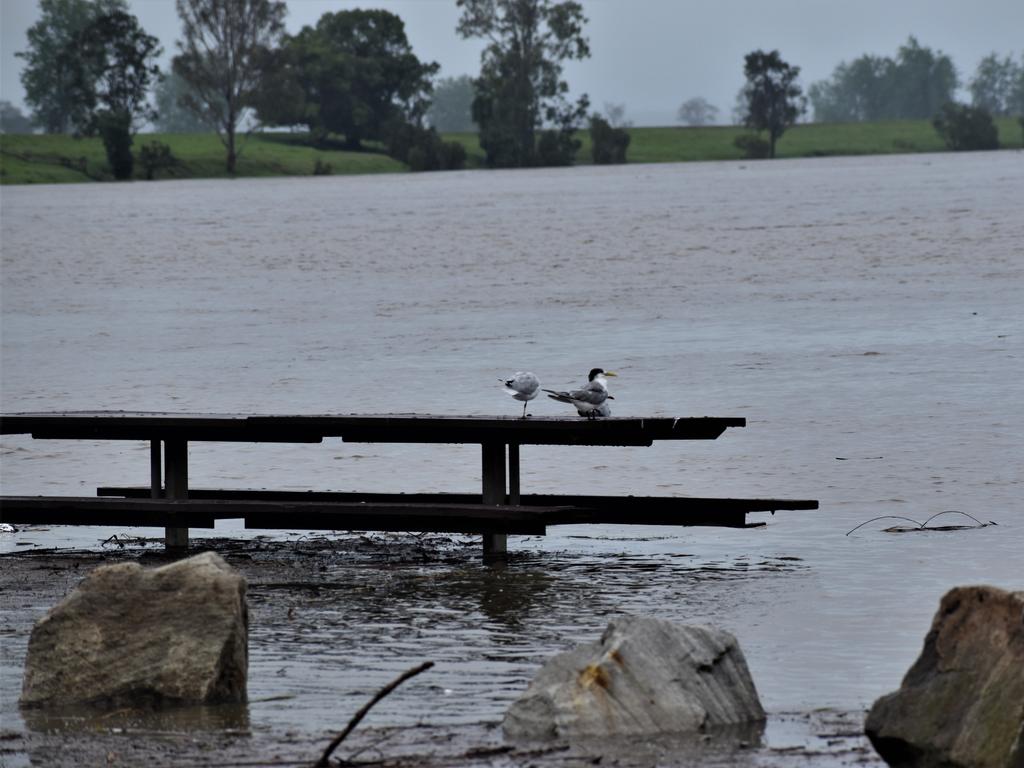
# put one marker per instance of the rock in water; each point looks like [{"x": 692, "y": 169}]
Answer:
[
  {"x": 129, "y": 637},
  {"x": 962, "y": 702},
  {"x": 644, "y": 676}
]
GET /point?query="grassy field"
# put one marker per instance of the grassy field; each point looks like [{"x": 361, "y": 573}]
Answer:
[
  {"x": 63, "y": 159},
  {"x": 59, "y": 159}
]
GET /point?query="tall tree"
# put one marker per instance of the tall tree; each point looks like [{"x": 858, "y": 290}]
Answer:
[
  {"x": 911, "y": 86},
  {"x": 992, "y": 85},
  {"x": 221, "y": 57},
  {"x": 774, "y": 100},
  {"x": 451, "y": 104},
  {"x": 520, "y": 87},
  {"x": 615, "y": 114},
  {"x": 1015, "y": 99},
  {"x": 117, "y": 62},
  {"x": 858, "y": 91},
  {"x": 925, "y": 80},
  {"x": 697, "y": 111},
  {"x": 172, "y": 116},
  {"x": 49, "y": 75},
  {"x": 113, "y": 68},
  {"x": 353, "y": 74}
]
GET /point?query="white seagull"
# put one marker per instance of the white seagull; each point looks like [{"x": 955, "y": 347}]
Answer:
[
  {"x": 523, "y": 386},
  {"x": 591, "y": 400}
]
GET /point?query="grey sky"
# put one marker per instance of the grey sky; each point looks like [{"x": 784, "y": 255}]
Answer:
[{"x": 652, "y": 55}]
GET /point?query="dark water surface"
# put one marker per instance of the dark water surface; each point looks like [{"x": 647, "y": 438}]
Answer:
[{"x": 864, "y": 315}]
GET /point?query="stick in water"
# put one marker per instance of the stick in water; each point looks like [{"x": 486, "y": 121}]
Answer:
[{"x": 322, "y": 762}]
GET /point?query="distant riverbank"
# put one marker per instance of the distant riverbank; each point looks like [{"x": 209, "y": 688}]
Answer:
[{"x": 49, "y": 159}]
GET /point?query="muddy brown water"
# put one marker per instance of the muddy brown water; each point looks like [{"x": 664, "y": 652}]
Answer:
[{"x": 863, "y": 314}]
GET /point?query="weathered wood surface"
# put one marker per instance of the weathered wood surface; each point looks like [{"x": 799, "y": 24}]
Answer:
[
  {"x": 87, "y": 510},
  {"x": 396, "y": 428},
  {"x": 380, "y": 511},
  {"x": 668, "y": 510},
  {"x": 313, "y": 515}
]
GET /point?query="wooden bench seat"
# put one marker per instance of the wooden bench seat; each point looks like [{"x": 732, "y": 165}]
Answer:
[
  {"x": 270, "y": 514},
  {"x": 562, "y": 509}
]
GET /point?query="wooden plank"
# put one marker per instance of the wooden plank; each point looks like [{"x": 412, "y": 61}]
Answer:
[
  {"x": 467, "y": 518},
  {"x": 403, "y": 428},
  {"x": 419, "y": 521},
  {"x": 73, "y": 510},
  {"x": 651, "y": 503}
]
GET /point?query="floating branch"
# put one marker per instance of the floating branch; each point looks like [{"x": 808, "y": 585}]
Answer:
[
  {"x": 322, "y": 762},
  {"x": 924, "y": 526}
]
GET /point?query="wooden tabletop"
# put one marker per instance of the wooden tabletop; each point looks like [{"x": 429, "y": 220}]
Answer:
[{"x": 384, "y": 428}]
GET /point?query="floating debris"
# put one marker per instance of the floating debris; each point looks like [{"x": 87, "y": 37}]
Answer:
[
  {"x": 122, "y": 540},
  {"x": 924, "y": 526}
]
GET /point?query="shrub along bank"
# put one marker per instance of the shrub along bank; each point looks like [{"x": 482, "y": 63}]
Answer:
[{"x": 27, "y": 159}]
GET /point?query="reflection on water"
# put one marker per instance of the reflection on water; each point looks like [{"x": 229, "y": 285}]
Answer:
[{"x": 487, "y": 628}]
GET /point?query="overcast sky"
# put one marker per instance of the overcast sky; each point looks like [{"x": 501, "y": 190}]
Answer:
[{"x": 651, "y": 55}]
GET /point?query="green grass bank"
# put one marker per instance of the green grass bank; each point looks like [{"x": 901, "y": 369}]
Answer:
[{"x": 64, "y": 159}]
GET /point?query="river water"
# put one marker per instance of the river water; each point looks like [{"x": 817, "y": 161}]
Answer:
[{"x": 864, "y": 314}]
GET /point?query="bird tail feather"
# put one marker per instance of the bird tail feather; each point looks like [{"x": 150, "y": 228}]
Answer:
[{"x": 562, "y": 397}]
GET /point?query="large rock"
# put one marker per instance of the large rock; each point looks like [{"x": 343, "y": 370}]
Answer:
[
  {"x": 128, "y": 637},
  {"x": 644, "y": 676},
  {"x": 962, "y": 702}
]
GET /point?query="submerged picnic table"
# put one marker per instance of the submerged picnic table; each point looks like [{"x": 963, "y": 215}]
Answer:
[{"x": 499, "y": 510}]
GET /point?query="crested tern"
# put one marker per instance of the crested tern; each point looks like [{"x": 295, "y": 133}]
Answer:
[
  {"x": 591, "y": 399},
  {"x": 523, "y": 386}
]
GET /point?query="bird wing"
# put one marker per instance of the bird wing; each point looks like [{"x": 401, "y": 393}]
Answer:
[{"x": 593, "y": 393}]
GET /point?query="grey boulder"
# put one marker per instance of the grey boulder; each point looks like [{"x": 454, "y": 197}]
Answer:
[
  {"x": 962, "y": 702},
  {"x": 643, "y": 677},
  {"x": 131, "y": 637}
]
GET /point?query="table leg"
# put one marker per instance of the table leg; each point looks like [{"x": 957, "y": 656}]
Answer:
[
  {"x": 513, "y": 474},
  {"x": 176, "y": 476},
  {"x": 156, "y": 478},
  {"x": 493, "y": 465}
]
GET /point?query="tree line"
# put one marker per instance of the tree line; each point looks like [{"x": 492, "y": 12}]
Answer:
[{"x": 352, "y": 78}]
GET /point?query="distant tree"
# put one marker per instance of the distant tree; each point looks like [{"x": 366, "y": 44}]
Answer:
[
  {"x": 925, "y": 80},
  {"x": 451, "y": 107},
  {"x": 1015, "y": 101},
  {"x": 964, "y": 127},
  {"x": 993, "y": 84},
  {"x": 520, "y": 88},
  {"x": 51, "y": 61},
  {"x": 608, "y": 144},
  {"x": 354, "y": 74},
  {"x": 172, "y": 116},
  {"x": 774, "y": 100},
  {"x": 857, "y": 92},
  {"x": 112, "y": 73},
  {"x": 738, "y": 114},
  {"x": 222, "y": 57},
  {"x": 116, "y": 65},
  {"x": 697, "y": 111},
  {"x": 615, "y": 114},
  {"x": 12, "y": 120},
  {"x": 912, "y": 86}
]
